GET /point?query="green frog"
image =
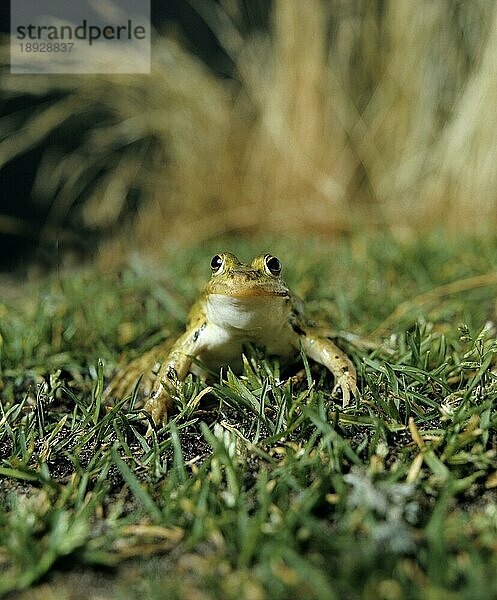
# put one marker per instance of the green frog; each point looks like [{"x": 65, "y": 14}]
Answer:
[{"x": 242, "y": 304}]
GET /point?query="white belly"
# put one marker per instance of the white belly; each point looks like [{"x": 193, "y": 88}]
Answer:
[{"x": 234, "y": 322}]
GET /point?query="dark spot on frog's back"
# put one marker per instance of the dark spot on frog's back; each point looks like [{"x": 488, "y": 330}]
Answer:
[
  {"x": 198, "y": 332},
  {"x": 296, "y": 327}
]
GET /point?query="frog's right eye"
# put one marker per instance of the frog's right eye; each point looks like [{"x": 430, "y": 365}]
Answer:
[
  {"x": 272, "y": 265},
  {"x": 217, "y": 264}
]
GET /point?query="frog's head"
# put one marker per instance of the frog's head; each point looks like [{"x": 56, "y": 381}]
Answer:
[{"x": 230, "y": 277}]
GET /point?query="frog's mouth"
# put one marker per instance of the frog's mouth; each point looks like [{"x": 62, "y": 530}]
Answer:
[
  {"x": 246, "y": 284},
  {"x": 248, "y": 291}
]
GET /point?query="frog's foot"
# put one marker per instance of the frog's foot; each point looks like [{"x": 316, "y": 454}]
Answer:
[
  {"x": 124, "y": 383},
  {"x": 143, "y": 369},
  {"x": 157, "y": 406},
  {"x": 348, "y": 386},
  {"x": 298, "y": 378}
]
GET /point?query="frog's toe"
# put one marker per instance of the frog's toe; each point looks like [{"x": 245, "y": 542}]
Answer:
[
  {"x": 345, "y": 393},
  {"x": 348, "y": 389},
  {"x": 157, "y": 407}
]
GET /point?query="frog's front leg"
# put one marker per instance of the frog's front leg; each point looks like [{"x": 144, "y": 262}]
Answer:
[
  {"x": 325, "y": 352},
  {"x": 175, "y": 367}
]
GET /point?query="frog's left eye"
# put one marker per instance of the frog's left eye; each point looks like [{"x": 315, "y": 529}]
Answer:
[
  {"x": 272, "y": 265},
  {"x": 217, "y": 264}
]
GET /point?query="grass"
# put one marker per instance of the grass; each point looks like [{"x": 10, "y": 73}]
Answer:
[{"x": 261, "y": 485}]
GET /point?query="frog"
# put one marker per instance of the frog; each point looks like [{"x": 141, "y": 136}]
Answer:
[{"x": 243, "y": 304}]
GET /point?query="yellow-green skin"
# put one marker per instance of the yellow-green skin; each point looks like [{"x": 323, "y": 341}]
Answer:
[{"x": 242, "y": 303}]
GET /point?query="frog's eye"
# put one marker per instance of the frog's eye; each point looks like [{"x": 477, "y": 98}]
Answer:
[
  {"x": 272, "y": 265},
  {"x": 217, "y": 264}
]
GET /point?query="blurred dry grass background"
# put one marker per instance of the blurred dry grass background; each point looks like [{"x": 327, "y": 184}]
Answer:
[{"x": 339, "y": 114}]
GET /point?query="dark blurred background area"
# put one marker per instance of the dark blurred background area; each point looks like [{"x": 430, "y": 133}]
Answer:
[
  {"x": 318, "y": 118},
  {"x": 23, "y": 233}
]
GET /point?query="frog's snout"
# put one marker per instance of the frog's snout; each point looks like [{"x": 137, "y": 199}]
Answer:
[{"x": 245, "y": 274}]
